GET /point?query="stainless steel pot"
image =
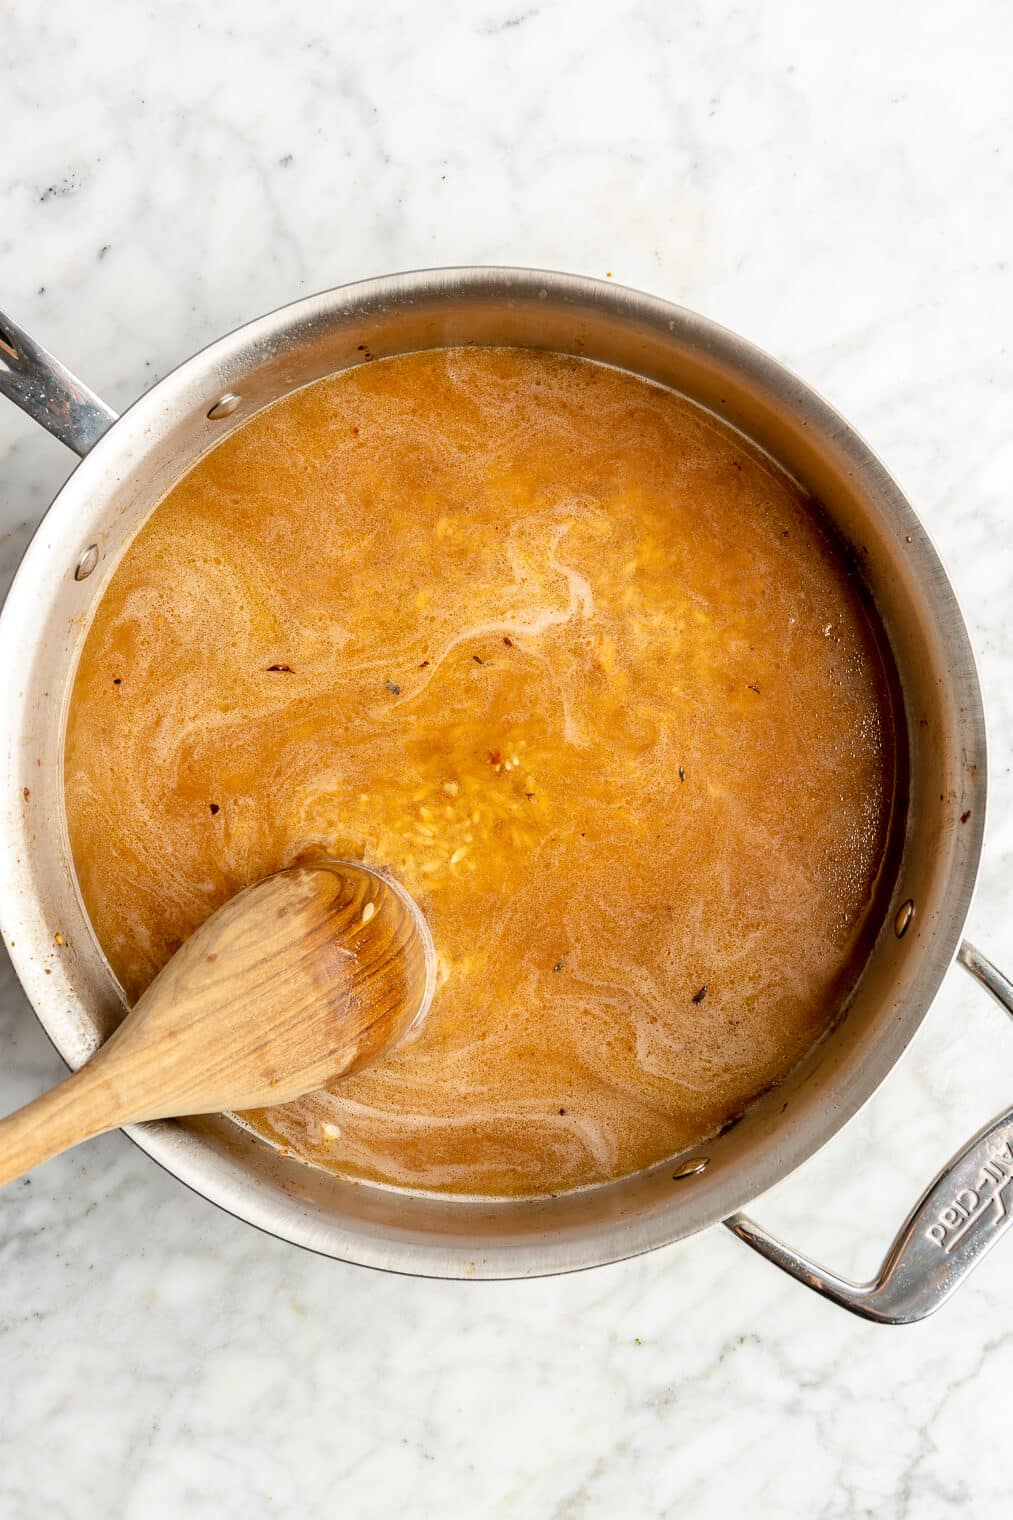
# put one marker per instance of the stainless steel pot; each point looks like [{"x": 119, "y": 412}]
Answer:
[{"x": 127, "y": 466}]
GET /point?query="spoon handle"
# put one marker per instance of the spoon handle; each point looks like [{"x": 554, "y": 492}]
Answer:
[{"x": 81, "y": 1106}]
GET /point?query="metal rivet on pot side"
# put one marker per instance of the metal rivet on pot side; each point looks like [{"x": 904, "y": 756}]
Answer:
[
  {"x": 902, "y": 923},
  {"x": 691, "y": 1168},
  {"x": 87, "y": 563},
  {"x": 224, "y": 406}
]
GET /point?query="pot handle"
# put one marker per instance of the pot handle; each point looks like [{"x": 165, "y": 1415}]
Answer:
[
  {"x": 951, "y": 1227},
  {"x": 40, "y": 386}
]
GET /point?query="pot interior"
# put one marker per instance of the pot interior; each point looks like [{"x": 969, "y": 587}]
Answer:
[{"x": 938, "y": 819}]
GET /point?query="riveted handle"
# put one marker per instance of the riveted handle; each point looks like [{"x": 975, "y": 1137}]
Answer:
[
  {"x": 956, "y": 1222},
  {"x": 40, "y": 386}
]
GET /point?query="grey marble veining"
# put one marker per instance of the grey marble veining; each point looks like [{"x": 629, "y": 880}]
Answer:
[{"x": 835, "y": 185}]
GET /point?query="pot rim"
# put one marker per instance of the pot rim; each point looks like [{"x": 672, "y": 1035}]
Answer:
[{"x": 173, "y": 1146}]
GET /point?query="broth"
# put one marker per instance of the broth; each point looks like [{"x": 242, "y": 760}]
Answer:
[{"x": 573, "y": 661}]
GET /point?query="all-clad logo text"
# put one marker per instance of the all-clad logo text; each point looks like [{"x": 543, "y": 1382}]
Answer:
[{"x": 971, "y": 1204}]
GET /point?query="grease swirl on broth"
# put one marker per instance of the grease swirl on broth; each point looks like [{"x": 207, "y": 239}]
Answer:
[{"x": 581, "y": 668}]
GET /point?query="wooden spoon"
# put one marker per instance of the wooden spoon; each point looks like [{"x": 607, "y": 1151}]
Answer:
[{"x": 305, "y": 977}]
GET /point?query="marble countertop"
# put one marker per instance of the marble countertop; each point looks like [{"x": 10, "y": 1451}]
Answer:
[{"x": 835, "y": 184}]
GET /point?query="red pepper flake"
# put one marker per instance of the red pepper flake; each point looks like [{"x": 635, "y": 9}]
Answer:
[
  {"x": 495, "y": 758},
  {"x": 26, "y": 793},
  {"x": 964, "y": 817},
  {"x": 214, "y": 808},
  {"x": 355, "y": 432},
  {"x": 698, "y": 997},
  {"x": 753, "y": 686},
  {"x": 117, "y": 680},
  {"x": 562, "y": 1110},
  {"x": 478, "y": 659},
  {"x": 424, "y": 664},
  {"x": 508, "y": 642},
  {"x": 286, "y": 668}
]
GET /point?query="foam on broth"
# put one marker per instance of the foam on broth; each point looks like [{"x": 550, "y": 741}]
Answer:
[{"x": 582, "y": 669}]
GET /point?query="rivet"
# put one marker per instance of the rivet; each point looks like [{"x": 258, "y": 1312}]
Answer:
[
  {"x": 902, "y": 923},
  {"x": 224, "y": 406},
  {"x": 87, "y": 563},
  {"x": 691, "y": 1168}
]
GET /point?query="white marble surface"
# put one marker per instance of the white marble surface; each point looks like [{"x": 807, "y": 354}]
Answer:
[{"x": 833, "y": 182}]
